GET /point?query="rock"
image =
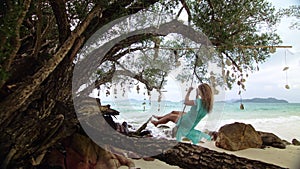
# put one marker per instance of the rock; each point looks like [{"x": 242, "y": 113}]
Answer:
[
  {"x": 270, "y": 139},
  {"x": 213, "y": 135},
  {"x": 295, "y": 142},
  {"x": 148, "y": 159},
  {"x": 80, "y": 152},
  {"x": 106, "y": 110},
  {"x": 238, "y": 136},
  {"x": 279, "y": 145},
  {"x": 146, "y": 133},
  {"x": 286, "y": 142}
]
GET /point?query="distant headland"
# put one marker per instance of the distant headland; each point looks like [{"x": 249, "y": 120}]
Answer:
[
  {"x": 253, "y": 100},
  {"x": 263, "y": 100}
]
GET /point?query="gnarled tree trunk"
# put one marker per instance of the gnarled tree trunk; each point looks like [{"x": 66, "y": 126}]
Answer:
[
  {"x": 36, "y": 108},
  {"x": 193, "y": 157}
]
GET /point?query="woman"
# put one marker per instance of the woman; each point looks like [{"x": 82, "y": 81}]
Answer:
[{"x": 186, "y": 124}]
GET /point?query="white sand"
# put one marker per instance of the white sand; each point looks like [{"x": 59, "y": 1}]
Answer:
[
  {"x": 287, "y": 158},
  {"x": 156, "y": 164}
]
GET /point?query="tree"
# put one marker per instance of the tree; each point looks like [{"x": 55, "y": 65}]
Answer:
[
  {"x": 40, "y": 41},
  {"x": 292, "y": 11},
  {"x": 238, "y": 29},
  {"x": 241, "y": 33}
]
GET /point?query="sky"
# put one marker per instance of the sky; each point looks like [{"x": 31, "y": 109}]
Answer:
[{"x": 269, "y": 81}]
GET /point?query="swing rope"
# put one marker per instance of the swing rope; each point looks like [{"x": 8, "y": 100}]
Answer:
[
  {"x": 185, "y": 104},
  {"x": 180, "y": 114},
  {"x": 194, "y": 72},
  {"x": 174, "y": 130}
]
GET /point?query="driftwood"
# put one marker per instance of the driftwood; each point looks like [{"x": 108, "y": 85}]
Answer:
[{"x": 143, "y": 127}]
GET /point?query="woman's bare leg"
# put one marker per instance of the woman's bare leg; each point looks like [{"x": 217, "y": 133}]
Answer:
[
  {"x": 160, "y": 117},
  {"x": 166, "y": 118}
]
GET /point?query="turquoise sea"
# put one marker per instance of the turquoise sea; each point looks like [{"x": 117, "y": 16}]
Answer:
[{"x": 282, "y": 119}]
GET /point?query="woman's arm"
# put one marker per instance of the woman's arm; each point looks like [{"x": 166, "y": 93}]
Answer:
[{"x": 187, "y": 100}]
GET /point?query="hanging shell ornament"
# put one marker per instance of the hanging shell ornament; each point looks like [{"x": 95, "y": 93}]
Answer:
[
  {"x": 285, "y": 68},
  {"x": 123, "y": 94},
  {"x": 272, "y": 50},
  {"x": 227, "y": 73},
  {"x": 138, "y": 89},
  {"x": 228, "y": 62},
  {"x": 242, "y": 106},
  {"x": 287, "y": 86},
  {"x": 107, "y": 93},
  {"x": 255, "y": 52},
  {"x": 159, "y": 98}
]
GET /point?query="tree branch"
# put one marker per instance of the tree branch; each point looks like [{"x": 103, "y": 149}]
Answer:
[
  {"x": 191, "y": 156},
  {"x": 59, "y": 10},
  {"x": 15, "y": 100},
  {"x": 195, "y": 66},
  {"x": 187, "y": 9},
  {"x": 233, "y": 62},
  {"x": 126, "y": 43},
  {"x": 108, "y": 14},
  {"x": 212, "y": 8},
  {"x": 179, "y": 12},
  {"x": 15, "y": 40},
  {"x": 38, "y": 40},
  {"x": 138, "y": 77},
  {"x": 87, "y": 67},
  {"x": 109, "y": 75}
]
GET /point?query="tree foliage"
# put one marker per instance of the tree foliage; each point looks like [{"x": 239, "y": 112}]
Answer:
[
  {"x": 229, "y": 26},
  {"x": 292, "y": 11},
  {"x": 241, "y": 32}
]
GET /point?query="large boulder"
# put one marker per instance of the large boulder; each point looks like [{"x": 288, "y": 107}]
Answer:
[{"x": 238, "y": 136}]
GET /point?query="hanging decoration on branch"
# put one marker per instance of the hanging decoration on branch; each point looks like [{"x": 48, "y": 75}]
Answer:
[
  {"x": 241, "y": 86},
  {"x": 241, "y": 105},
  {"x": 286, "y": 73}
]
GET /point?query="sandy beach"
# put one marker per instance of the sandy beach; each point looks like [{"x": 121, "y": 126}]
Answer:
[{"x": 286, "y": 158}]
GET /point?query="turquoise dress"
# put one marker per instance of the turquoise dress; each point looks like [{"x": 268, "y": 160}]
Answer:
[{"x": 187, "y": 123}]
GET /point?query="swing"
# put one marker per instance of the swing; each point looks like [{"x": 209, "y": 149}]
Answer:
[
  {"x": 187, "y": 122},
  {"x": 185, "y": 126}
]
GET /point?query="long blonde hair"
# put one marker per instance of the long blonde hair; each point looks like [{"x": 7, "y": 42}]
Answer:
[{"x": 207, "y": 96}]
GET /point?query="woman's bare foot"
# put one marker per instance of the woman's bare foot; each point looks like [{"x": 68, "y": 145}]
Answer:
[{"x": 155, "y": 123}]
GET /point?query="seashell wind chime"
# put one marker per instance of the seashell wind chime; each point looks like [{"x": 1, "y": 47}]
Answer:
[{"x": 286, "y": 73}]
